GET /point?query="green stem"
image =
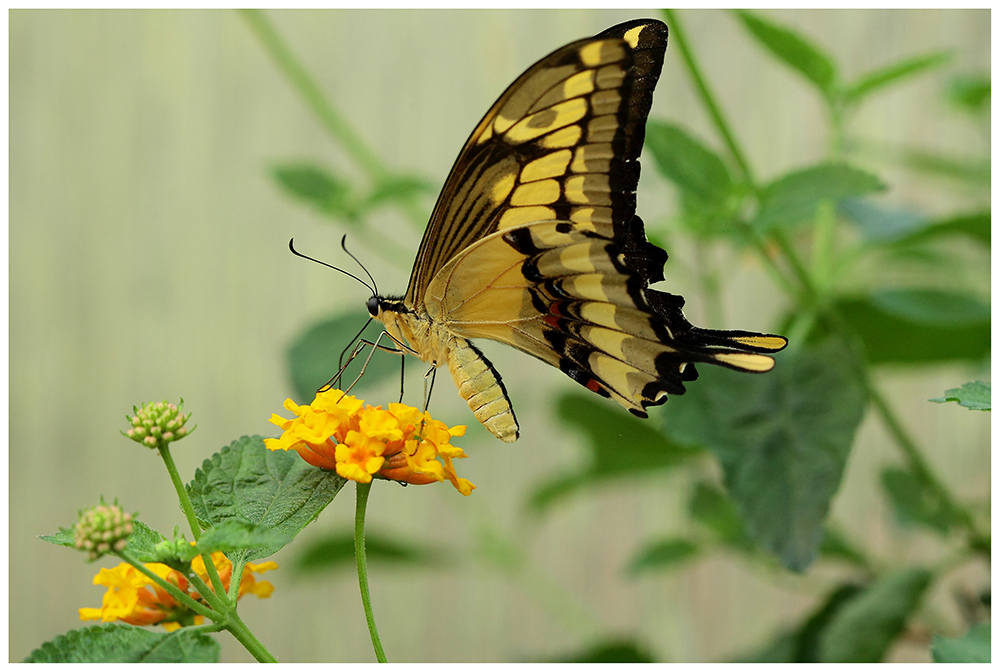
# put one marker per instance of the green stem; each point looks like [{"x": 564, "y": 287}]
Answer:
[
  {"x": 359, "y": 555},
  {"x": 180, "y": 596},
  {"x": 244, "y": 636},
  {"x": 679, "y": 39},
  {"x": 192, "y": 519}
]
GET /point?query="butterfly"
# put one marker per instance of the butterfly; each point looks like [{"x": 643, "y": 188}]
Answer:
[{"x": 534, "y": 242}]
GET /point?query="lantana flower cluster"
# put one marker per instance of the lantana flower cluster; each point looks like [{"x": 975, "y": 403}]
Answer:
[
  {"x": 134, "y": 598},
  {"x": 340, "y": 432}
]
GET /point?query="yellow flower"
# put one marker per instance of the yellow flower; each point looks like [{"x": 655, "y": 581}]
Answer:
[
  {"x": 339, "y": 432},
  {"x": 134, "y": 598}
]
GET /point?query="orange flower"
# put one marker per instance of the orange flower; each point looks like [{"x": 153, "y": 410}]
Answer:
[
  {"x": 338, "y": 432},
  {"x": 134, "y": 598}
]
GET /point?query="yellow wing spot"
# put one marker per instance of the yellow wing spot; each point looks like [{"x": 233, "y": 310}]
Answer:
[
  {"x": 607, "y": 340},
  {"x": 592, "y": 158},
  {"x": 551, "y": 119},
  {"x": 588, "y": 286},
  {"x": 610, "y": 77},
  {"x": 536, "y": 193},
  {"x": 747, "y": 362},
  {"x": 599, "y": 53},
  {"x": 605, "y": 102},
  {"x": 614, "y": 372},
  {"x": 766, "y": 342},
  {"x": 602, "y": 129},
  {"x": 578, "y": 85},
  {"x": 577, "y": 258},
  {"x": 521, "y": 216},
  {"x": 524, "y": 98},
  {"x": 589, "y": 188},
  {"x": 599, "y": 313},
  {"x": 565, "y": 137},
  {"x": 632, "y": 36},
  {"x": 550, "y": 165},
  {"x": 501, "y": 188}
]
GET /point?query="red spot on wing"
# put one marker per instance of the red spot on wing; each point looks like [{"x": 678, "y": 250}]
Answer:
[{"x": 593, "y": 385}]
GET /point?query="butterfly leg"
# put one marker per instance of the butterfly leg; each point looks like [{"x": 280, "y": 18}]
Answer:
[{"x": 362, "y": 343}]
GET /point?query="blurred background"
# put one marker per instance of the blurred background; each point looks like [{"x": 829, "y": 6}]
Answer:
[{"x": 149, "y": 260}]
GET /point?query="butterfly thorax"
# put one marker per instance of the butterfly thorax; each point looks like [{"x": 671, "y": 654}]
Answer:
[{"x": 431, "y": 340}]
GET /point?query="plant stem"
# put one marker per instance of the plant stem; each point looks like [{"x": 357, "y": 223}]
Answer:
[
  {"x": 174, "y": 591},
  {"x": 192, "y": 519},
  {"x": 245, "y": 636},
  {"x": 359, "y": 555}
]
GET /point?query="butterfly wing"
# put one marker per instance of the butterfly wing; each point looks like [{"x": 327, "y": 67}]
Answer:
[{"x": 562, "y": 142}]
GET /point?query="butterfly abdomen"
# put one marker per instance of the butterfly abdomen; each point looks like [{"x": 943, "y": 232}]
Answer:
[{"x": 481, "y": 386}]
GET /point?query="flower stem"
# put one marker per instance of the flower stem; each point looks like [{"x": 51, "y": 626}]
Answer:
[
  {"x": 359, "y": 555},
  {"x": 172, "y": 590},
  {"x": 244, "y": 636},
  {"x": 192, "y": 519}
]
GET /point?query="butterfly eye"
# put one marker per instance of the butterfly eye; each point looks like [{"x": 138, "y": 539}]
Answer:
[{"x": 373, "y": 306}]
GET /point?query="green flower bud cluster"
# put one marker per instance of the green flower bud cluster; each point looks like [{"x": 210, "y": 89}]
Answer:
[
  {"x": 102, "y": 529},
  {"x": 158, "y": 423}
]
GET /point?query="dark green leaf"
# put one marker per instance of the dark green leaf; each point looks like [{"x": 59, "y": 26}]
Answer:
[
  {"x": 864, "y": 628},
  {"x": 337, "y": 551},
  {"x": 879, "y": 79},
  {"x": 975, "y": 225},
  {"x": 317, "y": 187},
  {"x": 663, "y": 554},
  {"x": 973, "y": 648},
  {"x": 919, "y": 326},
  {"x": 835, "y": 546},
  {"x": 686, "y": 162},
  {"x": 899, "y": 226},
  {"x": 269, "y": 489},
  {"x": 973, "y": 171},
  {"x": 971, "y": 92},
  {"x": 797, "y": 52},
  {"x": 238, "y": 535},
  {"x": 913, "y": 502},
  {"x": 314, "y": 356},
  {"x": 120, "y": 643},
  {"x": 975, "y": 395},
  {"x": 713, "y": 509},
  {"x": 620, "y": 445},
  {"x": 795, "y": 197},
  {"x": 782, "y": 438},
  {"x": 801, "y": 644},
  {"x": 622, "y": 651}
]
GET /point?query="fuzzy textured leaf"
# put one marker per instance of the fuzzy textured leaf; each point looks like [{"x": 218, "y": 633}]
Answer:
[
  {"x": 314, "y": 355},
  {"x": 863, "y": 630},
  {"x": 975, "y": 395},
  {"x": 973, "y": 648},
  {"x": 268, "y": 489},
  {"x": 782, "y": 438},
  {"x": 795, "y": 197},
  {"x": 796, "y": 51},
  {"x": 120, "y": 643}
]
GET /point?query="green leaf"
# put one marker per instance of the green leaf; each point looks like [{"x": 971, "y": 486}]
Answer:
[
  {"x": 885, "y": 225},
  {"x": 913, "y": 502},
  {"x": 238, "y": 535},
  {"x": 395, "y": 188},
  {"x": 910, "y": 326},
  {"x": 318, "y": 187},
  {"x": 863, "y": 630},
  {"x": 314, "y": 356},
  {"x": 782, "y": 438},
  {"x": 143, "y": 541},
  {"x": 879, "y": 79},
  {"x": 797, "y": 52},
  {"x": 713, "y": 509},
  {"x": 64, "y": 537},
  {"x": 120, "y": 643},
  {"x": 663, "y": 554},
  {"x": 269, "y": 489},
  {"x": 975, "y": 395},
  {"x": 835, "y": 546},
  {"x": 337, "y": 551},
  {"x": 795, "y": 197},
  {"x": 973, "y": 648},
  {"x": 801, "y": 644},
  {"x": 971, "y": 92},
  {"x": 686, "y": 162},
  {"x": 620, "y": 445},
  {"x": 615, "y": 651}
]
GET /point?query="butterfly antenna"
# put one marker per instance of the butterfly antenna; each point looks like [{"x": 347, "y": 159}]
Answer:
[
  {"x": 370, "y": 287},
  {"x": 343, "y": 244}
]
